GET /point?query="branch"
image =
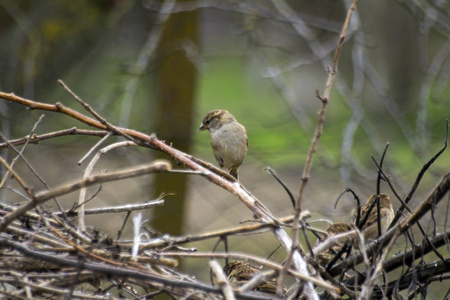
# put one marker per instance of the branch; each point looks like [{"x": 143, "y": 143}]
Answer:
[
  {"x": 87, "y": 173},
  {"x": 35, "y": 139},
  {"x": 118, "y": 271},
  {"x": 418, "y": 251},
  {"x": 324, "y": 103},
  {"x": 222, "y": 280},
  {"x": 151, "y": 141},
  {"x": 421, "y": 274},
  {"x": 259, "y": 260},
  {"x": 116, "y": 209},
  {"x": 164, "y": 241},
  {"x": 441, "y": 189},
  {"x": 63, "y": 189},
  {"x": 419, "y": 177},
  {"x": 58, "y": 107},
  {"x": 287, "y": 11}
]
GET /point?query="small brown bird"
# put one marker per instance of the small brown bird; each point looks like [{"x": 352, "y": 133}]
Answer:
[
  {"x": 229, "y": 139},
  {"x": 334, "y": 229},
  {"x": 370, "y": 227},
  {"x": 239, "y": 273}
]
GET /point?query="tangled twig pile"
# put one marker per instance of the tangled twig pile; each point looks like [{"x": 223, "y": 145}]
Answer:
[
  {"x": 45, "y": 255},
  {"x": 54, "y": 254}
]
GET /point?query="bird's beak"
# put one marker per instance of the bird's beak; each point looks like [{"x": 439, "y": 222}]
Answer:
[{"x": 202, "y": 127}]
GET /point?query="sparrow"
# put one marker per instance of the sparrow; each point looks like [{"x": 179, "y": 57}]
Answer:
[
  {"x": 370, "y": 227},
  {"x": 229, "y": 139},
  {"x": 239, "y": 273},
  {"x": 334, "y": 229}
]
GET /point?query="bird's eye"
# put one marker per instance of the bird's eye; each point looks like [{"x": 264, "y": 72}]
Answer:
[{"x": 207, "y": 122}]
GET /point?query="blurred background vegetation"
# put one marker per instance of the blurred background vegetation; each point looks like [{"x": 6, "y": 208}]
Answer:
[{"x": 160, "y": 66}]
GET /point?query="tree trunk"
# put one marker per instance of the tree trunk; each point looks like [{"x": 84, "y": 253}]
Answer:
[{"x": 176, "y": 79}]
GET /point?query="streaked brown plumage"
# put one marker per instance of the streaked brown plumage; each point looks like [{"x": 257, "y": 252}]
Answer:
[
  {"x": 335, "y": 228},
  {"x": 229, "y": 139},
  {"x": 370, "y": 227},
  {"x": 239, "y": 273}
]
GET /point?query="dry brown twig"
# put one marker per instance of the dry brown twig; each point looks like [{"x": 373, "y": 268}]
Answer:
[
  {"x": 151, "y": 141},
  {"x": 19, "y": 180},
  {"x": 117, "y": 209},
  {"x": 318, "y": 132},
  {"x": 324, "y": 103},
  {"x": 20, "y": 153},
  {"x": 442, "y": 188},
  {"x": 155, "y": 250},
  {"x": 35, "y": 139},
  {"x": 88, "y": 171},
  {"x": 63, "y": 189},
  {"x": 96, "y": 179},
  {"x": 38, "y": 198},
  {"x": 245, "y": 229},
  {"x": 256, "y": 259},
  {"x": 121, "y": 272},
  {"x": 389, "y": 238},
  {"x": 236, "y": 189}
]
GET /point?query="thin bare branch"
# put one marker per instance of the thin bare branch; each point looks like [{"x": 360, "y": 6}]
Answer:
[
  {"x": 43, "y": 196},
  {"x": 240, "y": 230},
  {"x": 35, "y": 139},
  {"x": 256, "y": 259},
  {"x": 420, "y": 175},
  {"x": 87, "y": 173},
  {"x": 287, "y": 11}
]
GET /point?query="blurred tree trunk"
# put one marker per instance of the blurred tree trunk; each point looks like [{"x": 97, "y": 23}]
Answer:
[{"x": 176, "y": 83}]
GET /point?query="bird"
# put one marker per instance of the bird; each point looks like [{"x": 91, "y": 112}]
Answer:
[
  {"x": 369, "y": 228},
  {"x": 229, "y": 139},
  {"x": 334, "y": 229},
  {"x": 239, "y": 273}
]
